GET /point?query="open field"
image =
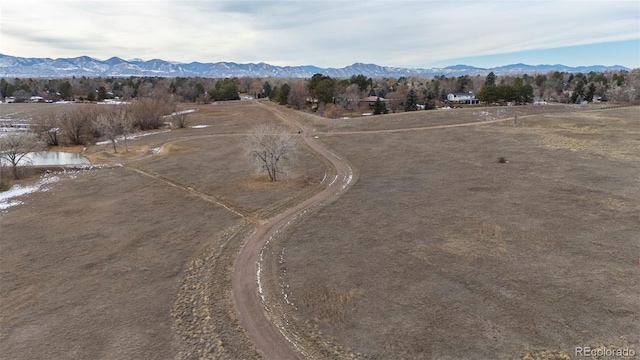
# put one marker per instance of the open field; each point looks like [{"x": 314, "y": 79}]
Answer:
[
  {"x": 436, "y": 251},
  {"x": 134, "y": 261},
  {"x": 439, "y": 251}
]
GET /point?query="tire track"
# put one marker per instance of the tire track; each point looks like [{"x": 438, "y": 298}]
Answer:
[
  {"x": 271, "y": 341},
  {"x": 189, "y": 189}
]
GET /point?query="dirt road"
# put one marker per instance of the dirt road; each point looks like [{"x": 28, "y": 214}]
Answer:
[
  {"x": 270, "y": 341},
  {"x": 267, "y": 338}
]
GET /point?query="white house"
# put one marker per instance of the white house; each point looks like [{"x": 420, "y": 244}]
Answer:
[{"x": 463, "y": 98}]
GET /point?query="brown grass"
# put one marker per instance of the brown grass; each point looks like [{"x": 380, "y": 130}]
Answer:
[
  {"x": 445, "y": 243},
  {"x": 134, "y": 261},
  {"x": 329, "y": 305},
  {"x": 437, "y": 251}
]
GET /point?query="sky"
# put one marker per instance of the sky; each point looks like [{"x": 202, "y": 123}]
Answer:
[{"x": 328, "y": 33}]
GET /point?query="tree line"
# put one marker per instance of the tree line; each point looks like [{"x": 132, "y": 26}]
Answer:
[{"x": 333, "y": 97}]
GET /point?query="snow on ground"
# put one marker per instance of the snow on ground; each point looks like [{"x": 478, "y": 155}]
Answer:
[
  {"x": 7, "y": 197},
  {"x": 132, "y": 136},
  {"x": 199, "y": 126},
  {"x": 113, "y": 102},
  {"x": 181, "y": 112}
]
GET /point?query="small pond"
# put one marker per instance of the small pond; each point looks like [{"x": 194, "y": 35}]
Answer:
[{"x": 56, "y": 158}]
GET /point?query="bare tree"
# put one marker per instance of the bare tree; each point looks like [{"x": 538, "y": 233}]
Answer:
[
  {"x": 333, "y": 111},
  {"x": 76, "y": 124},
  {"x": 256, "y": 88},
  {"x": 149, "y": 111},
  {"x": 271, "y": 147},
  {"x": 298, "y": 95},
  {"x": 115, "y": 122},
  {"x": 15, "y": 147},
  {"x": 47, "y": 128},
  {"x": 180, "y": 118}
]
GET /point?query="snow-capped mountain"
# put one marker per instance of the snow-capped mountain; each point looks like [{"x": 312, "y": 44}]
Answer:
[{"x": 11, "y": 66}]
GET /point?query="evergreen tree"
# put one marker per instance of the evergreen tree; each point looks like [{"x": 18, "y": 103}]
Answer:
[
  {"x": 266, "y": 88},
  {"x": 380, "y": 107},
  {"x": 591, "y": 91},
  {"x": 411, "y": 102},
  {"x": 462, "y": 83},
  {"x": 362, "y": 81},
  {"x": 490, "y": 80},
  {"x": 578, "y": 92},
  {"x": 283, "y": 95},
  {"x": 225, "y": 89},
  {"x": 102, "y": 93},
  {"x": 443, "y": 95},
  {"x": 65, "y": 90},
  {"x": 322, "y": 88}
]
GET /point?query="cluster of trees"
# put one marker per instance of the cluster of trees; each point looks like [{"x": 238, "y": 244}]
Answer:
[
  {"x": 81, "y": 125},
  {"x": 84, "y": 124},
  {"x": 517, "y": 92},
  {"x": 344, "y": 95}
]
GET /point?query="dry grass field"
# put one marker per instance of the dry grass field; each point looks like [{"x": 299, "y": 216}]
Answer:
[
  {"x": 437, "y": 251},
  {"x": 133, "y": 261},
  {"x": 440, "y": 251}
]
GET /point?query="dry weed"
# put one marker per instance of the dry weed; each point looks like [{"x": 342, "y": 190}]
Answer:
[
  {"x": 330, "y": 305},
  {"x": 477, "y": 241}
]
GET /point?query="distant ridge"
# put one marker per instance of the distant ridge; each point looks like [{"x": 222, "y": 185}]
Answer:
[{"x": 11, "y": 66}]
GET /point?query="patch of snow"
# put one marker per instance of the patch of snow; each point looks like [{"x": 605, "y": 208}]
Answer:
[
  {"x": 199, "y": 126},
  {"x": 6, "y": 205},
  {"x": 17, "y": 190},
  {"x": 132, "y": 136},
  {"x": 367, "y": 114},
  {"x": 181, "y": 112},
  {"x": 345, "y": 118},
  {"x": 113, "y": 102}
]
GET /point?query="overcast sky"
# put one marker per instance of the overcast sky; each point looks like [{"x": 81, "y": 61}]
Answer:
[{"x": 328, "y": 33}]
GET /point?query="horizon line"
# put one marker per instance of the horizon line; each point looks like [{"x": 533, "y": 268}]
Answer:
[{"x": 325, "y": 68}]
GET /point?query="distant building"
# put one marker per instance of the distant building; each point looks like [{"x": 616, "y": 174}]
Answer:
[
  {"x": 371, "y": 100},
  {"x": 463, "y": 98}
]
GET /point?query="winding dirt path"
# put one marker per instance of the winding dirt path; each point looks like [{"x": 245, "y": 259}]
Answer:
[
  {"x": 267, "y": 338},
  {"x": 271, "y": 342}
]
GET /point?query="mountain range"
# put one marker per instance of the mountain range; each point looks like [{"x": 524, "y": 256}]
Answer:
[{"x": 11, "y": 66}]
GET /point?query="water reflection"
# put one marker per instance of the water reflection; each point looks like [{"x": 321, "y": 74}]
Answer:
[{"x": 55, "y": 158}]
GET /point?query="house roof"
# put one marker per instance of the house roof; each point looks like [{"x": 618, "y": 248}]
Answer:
[{"x": 372, "y": 98}]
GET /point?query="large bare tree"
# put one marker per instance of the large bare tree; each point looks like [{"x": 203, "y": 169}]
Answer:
[
  {"x": 76, "y": 124},
  {"x": 114, "y": 122},
  {"x": 47, "y": 128},
  {"x": 149, "y": 111},
  {"x": 15, "y": 146},
  {"x": 298, "y": 95},
  {"x": 271, "y": 147}
]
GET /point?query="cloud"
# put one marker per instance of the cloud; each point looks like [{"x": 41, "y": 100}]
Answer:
[{"x": 323, "y": 33}]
